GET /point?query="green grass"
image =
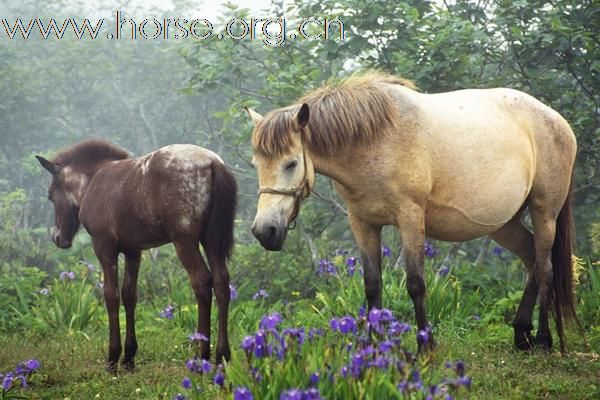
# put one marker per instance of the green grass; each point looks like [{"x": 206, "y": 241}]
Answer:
[
  {"x": 73, "y": 361},
  {"x": 73, "y": 365}
]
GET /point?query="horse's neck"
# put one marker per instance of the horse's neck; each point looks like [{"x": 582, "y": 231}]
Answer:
[
  {"x": 341, "y": 168},
  {"x": 81, "y": 177}
]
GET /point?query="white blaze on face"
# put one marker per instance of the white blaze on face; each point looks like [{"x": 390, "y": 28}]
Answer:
[{"x": 74, "y": 184}]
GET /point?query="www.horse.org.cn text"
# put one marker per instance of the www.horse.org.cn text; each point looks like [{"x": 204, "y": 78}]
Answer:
[{"x": 270, "y": 31}]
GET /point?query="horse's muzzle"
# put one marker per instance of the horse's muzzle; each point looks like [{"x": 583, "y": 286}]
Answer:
[
  {"x": 59, "y": 240},
  {"x": 271, "y": 236}
]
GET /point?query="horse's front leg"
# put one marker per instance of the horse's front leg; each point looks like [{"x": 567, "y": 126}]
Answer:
[
  {"x": 412, "y": 233},
  {"x": 129, "y": 296},
  {"x": 107, "y": 253},
  {"x": 368, "y": 239}
]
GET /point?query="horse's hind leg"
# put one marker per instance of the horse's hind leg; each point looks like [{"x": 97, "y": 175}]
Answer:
[
  {"x": 129, "y": 296},
  {"x": 544, "y": 228},
  {"x": 516, "y": 238},
  {"x": 220, "y": 280},
  {"x": 200, "y": 277}
]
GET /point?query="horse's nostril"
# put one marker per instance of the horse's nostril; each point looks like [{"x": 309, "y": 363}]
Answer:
[{"x": 271, "y": 232}]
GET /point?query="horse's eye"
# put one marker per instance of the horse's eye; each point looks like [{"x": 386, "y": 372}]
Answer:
[{"x": 291, "y": 165}]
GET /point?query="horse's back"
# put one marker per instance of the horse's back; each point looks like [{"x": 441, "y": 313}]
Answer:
[
  {"x": 154, "y": 197},
  {"x": 486, "y": 149}
]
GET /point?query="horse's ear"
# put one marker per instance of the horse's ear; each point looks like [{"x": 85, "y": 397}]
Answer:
[
  {"x": 256, "y": 117},
  {"x": 48, "y": 165},
  {"x": 303, "y": 115}
]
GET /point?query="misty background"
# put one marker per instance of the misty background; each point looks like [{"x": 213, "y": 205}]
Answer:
[{"x": 144, "y": 94}]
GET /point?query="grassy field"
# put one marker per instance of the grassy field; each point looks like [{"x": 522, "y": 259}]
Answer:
[
  {"x": 320, "y": 342},
  {"x": 73, "y": 364}
]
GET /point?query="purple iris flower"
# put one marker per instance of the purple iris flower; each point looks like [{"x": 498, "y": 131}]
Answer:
[
  {"x": 167, "y": 312},
  {"x": 423, "y": 336},
  {"x": 398, "y": 328},
  {"x": 219, "y": 378},
  {"x": 314, "y": 379},
  {"x": 292, "y": 394},
  {"x": 7, "y": 382},
  {"x": 186, "y": 383},
  {"x": 294, "y": 333},
  {"x": 233, "y": 294},
  {"x": 311, "y": 394},
  {"x": 67, "y": 276},
  {"x": 498, "y": 251},
  {"x": 429, "y": 250},
  {"x": 326, "y": 267},
  {"x": 241, "y": 393},
  {"x": 261, "y": 294},
  {"x": 197, "y": 337},
  {"x": 347, "y": 324},
  {"x": 32, "y": 364},
  {"x": 387, "y": 252},
  {"x": 270, "y": 321}
]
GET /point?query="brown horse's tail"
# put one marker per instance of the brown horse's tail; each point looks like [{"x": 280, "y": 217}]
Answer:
[
  {"x": 562, "y": 268},
  {"x": 218, "y": 232}
]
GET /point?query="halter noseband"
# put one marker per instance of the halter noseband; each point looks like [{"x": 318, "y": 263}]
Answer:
[{"x": 298, "y": 192}]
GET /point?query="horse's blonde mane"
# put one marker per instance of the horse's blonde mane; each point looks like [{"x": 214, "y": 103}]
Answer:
[{"x": 356, "y": 110}]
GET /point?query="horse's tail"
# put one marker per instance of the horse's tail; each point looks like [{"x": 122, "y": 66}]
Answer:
[
  {"x": 562, "y": 267},
  {"x": 218, "y": 231}
]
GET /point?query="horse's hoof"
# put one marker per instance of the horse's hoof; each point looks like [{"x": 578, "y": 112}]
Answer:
[
  {"x": 523, "y": 340},
  {"x": 223, "y": 356},
  {"x": 425, "y": 342},
  {"x": 543, "y": 342},
  {"x": 128, "y": 366},
  {"x": 111, "y": 367}
]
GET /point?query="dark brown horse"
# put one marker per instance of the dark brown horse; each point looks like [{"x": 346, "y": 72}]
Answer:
[{"x": 181, "y": 194}]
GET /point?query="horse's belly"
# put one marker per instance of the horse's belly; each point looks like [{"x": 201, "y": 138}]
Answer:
[{"x": 477, "y": 215}]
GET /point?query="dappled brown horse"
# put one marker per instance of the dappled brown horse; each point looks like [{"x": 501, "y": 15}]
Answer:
[
  {"x": 182, "y": 194},
  {"x": 454, "y": 166}
]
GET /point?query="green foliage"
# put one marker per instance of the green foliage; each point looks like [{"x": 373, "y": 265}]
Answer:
[
  {"x": 588, "y": 292},
  {"x": 69, "y": 306},
  {"x": 504, "y": 309},
  {"x": 342, "y": 294},
  {"x": 284, "y": 275},
  {"x": 18, "y": 291},
  {"x": 595, "y": 238}
]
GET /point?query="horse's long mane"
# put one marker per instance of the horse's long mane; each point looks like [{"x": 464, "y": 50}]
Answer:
[
  {"x": 88, "y": 153},
  {"x": 355, "y": 110}
]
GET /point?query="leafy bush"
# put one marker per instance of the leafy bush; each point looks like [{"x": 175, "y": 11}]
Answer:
[
  {"x": 595, "y": 238},
  {"x": 280, "y": 274},
  {"x": 69, "y": 304},
  {"x": 589, "y": 295},
  {"x": 18, "y": 289}
]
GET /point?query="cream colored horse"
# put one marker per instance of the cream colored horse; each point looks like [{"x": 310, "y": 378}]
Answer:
[{"x": 453, "y": 166}]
